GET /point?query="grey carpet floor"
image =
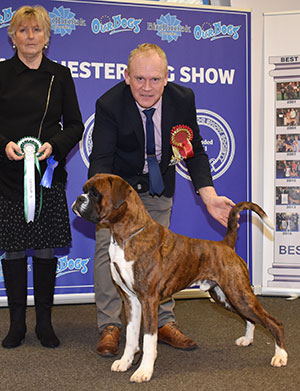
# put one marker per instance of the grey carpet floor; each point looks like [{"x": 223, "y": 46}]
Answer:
[{"x": 217, "y": 365}]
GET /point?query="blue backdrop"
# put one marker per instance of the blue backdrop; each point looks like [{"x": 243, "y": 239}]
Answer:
[{"x": 208, "y": 50}]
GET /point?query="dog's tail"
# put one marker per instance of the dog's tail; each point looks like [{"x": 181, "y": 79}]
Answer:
[{"x": 231, "y": 234}]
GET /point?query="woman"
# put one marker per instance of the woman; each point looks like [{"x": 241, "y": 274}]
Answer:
[{"x": 36, "y": 97}]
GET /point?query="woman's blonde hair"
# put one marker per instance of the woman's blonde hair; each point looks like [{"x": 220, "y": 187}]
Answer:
[
  {"x": 146, "y": 48},
  {"x": 26, "y": 12}
]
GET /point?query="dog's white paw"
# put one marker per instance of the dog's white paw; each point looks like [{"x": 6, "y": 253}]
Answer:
[
  {"x": 121, "y": 365},
  {"x": 243, "y": 341},
  {"x": 279, "y": 359},
  {"x": 141, "y": 375},
  {"x": 248, "y": 338}
]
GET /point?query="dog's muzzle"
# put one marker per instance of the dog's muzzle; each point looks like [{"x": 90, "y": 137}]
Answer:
[
  {"x": 84, "y": 207},
  {"x": 81, "y": 204}
]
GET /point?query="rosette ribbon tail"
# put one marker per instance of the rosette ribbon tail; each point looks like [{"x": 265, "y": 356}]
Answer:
[
  {"x": 30, "y": 161},
  {"x": 29, "y": 147},
  {"x": 186, "y": 149},
  {"x": 48, "y": 174}
]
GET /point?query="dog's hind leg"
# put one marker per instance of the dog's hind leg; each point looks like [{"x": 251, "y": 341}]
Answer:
[
  {"x": 250, "y": 309},
  {"x": 219, "y": 297},
  {"x": 133, "y": 313},
  {"x": 275, "y": 327},
  {"x": 150, "y": 316}
]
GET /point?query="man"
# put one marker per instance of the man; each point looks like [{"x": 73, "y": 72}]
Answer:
[
  {"x": 296, "y": 143},
  {"x": 120, "y": 147}
]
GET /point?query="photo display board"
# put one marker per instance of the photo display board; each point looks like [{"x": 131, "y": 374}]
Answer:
[{"x": 281, "y": 260}]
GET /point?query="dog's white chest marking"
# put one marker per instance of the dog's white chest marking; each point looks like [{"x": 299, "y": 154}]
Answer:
[
  {"x": 126, "y": 279},
  {"x": 122, "y": 273}
]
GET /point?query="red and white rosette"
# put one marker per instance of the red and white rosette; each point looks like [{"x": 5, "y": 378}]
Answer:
[{"x": 181, "y": 137}]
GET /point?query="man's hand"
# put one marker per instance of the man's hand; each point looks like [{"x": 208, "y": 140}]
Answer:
[{"x": 218, "y": 207}]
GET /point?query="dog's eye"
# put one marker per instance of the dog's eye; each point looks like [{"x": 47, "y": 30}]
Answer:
[{"x": 93, "y": 192}]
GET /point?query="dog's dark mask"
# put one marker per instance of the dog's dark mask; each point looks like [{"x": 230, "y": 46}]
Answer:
[{"x": 88, "y": 205}]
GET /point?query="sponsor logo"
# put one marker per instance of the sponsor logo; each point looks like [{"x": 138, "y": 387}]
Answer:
[
  {"x": 66, "y": 266},
  {"x": 218, "y": 141},
  {"x": 86, "y": 143},
  {"x": 168, "y": 27},
  {"x": 115, "y": 24},
  {"x": 63, "y": 21},
  {"x": 216, "y": 31},
  {"x": 6, "y": 16}
]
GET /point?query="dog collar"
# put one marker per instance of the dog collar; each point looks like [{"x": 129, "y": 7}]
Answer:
[{"x": 132, "y": 236}]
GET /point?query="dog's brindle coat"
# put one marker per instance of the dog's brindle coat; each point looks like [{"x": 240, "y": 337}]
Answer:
[{"x": 149, "y": 263}]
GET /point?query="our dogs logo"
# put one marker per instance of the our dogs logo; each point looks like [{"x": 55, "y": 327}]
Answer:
[
  {"x": 67, "y": 265},
  {"x": 116, "y": 24},
  {"x": 216, "y": 31},
  {"x": 63, "y": 21},
  {"x": 6, "y": 17},
  {"x": 218, "y": 141},
  {"x": 168, "y": 27},
  {"x": 86, "y": 143}
]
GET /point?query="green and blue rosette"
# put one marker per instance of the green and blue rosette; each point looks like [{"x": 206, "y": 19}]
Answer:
[{"x": 29, "y": 147}]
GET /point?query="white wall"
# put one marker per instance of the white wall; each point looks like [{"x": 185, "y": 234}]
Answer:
[{"x": 258, "y": 8}]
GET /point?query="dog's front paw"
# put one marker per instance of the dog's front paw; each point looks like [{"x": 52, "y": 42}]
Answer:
[
  {"x": 243, "y": 341},
  {"x": 121, "y": 365},
  {"x": 141, "y": 375},
  {"x": 279, "y": 359}
]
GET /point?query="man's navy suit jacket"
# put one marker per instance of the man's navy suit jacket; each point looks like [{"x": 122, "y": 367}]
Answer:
[{"x": 119, "y": 141}]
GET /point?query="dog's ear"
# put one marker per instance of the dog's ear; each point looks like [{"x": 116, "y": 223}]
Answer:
[{"x": 120, "y": 191}]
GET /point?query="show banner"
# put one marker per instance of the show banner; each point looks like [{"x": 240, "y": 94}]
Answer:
[{"x": 208, "y": 50}]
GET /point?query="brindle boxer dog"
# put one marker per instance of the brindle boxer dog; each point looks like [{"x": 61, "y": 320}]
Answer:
[{"x": 150, "y": 263}]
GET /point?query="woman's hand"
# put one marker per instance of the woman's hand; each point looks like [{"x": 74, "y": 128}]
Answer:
[
  {"x": 46, "y": 151},
  {"x": 13, "y": 151}
]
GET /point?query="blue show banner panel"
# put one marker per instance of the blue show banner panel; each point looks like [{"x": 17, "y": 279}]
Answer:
[{"x": 208, "y": 50}]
